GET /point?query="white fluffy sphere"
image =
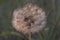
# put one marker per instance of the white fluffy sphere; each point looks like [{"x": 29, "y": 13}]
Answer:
[{"x": 30, "y": 17}]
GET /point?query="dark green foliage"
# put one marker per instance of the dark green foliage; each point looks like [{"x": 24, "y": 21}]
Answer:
[{"x": 52, "y": 8}]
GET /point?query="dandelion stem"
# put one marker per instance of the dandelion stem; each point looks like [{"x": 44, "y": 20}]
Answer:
[{"x": 29, "y": 33}]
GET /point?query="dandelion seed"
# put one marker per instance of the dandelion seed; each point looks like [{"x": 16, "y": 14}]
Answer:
[{"x": 30, "y": 17}]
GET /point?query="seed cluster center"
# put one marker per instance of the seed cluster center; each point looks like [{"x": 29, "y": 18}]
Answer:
[{"x": 29, "y": 21}]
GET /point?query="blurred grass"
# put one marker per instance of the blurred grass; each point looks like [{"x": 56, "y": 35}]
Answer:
[{"x": 53, "y": 20}]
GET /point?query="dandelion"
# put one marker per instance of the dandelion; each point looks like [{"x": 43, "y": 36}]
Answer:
[{"x": 30, "y": 17}]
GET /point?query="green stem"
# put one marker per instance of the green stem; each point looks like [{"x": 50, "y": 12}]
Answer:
[{"x": 29, "y": 33}]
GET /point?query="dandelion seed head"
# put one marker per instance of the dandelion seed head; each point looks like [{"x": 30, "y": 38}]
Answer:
[{"x": 30, "y": 17}]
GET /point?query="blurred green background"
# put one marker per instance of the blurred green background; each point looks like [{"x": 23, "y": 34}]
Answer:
[{"x": 52, "y": 9}]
